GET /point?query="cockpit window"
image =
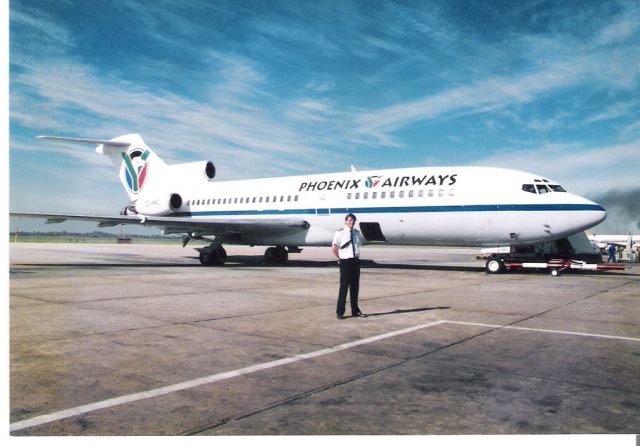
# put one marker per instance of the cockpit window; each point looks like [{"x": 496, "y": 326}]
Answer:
[
  {"x": 542, "y": 189},
  {"x": 557, "y": 188},
  {"x": 529, "y": 188}
]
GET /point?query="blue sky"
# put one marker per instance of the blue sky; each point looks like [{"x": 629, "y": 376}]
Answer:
[{"x": 269, "y": 88}]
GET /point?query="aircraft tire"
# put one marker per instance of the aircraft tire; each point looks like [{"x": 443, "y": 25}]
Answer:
[
  {"x": 275, "y": 256},
  {"x": 214, "y": 258},
  {"x": 494, "y": 265},
  {"x": 204, "y": 258},
  {"x": 220, "y": 256}
]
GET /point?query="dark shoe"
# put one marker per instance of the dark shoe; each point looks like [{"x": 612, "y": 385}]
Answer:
[
  {"x": 359, "y": 314},
  {"x": 339, "y": 316}
]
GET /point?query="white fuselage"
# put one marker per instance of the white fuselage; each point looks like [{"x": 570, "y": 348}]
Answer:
[{"x": 457, "y": 206}]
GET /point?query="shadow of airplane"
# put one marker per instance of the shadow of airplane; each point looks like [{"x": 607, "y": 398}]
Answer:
[{"x": 244, "y": 261}]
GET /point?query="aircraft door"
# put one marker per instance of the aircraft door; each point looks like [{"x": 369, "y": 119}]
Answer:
[{"x": 372, "y": 232}]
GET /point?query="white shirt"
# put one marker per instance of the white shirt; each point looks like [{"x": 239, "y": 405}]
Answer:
[{"x": 342, "y": 238}]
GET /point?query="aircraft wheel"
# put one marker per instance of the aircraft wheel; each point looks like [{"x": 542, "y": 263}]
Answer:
[
  {"x": 204, "y": 258},
  {"x": 275, "y": 256},
  {"x": 494, "y": 265},
  {"x": 216, "y": 257},
  {"x": 555, "y": 272},
  {"x": 220, "y": 256}
]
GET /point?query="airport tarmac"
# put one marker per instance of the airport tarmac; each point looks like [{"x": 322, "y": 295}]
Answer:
[{"x": 143, "y": 340}]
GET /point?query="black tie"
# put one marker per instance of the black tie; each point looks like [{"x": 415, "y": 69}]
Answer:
[{"x": 353, "y": 246}]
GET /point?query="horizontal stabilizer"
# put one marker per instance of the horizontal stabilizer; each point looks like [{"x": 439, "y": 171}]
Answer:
[{"x": 86, "y": 141}]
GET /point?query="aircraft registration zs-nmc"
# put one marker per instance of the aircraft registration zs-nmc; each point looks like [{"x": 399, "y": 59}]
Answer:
[{"x": 442, "y": 206}]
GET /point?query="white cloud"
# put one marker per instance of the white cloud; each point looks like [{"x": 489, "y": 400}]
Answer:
[{"x": 580, "y": 169}]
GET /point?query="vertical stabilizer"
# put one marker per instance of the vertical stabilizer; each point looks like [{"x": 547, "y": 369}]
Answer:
[{"x": 138, "y": 167}]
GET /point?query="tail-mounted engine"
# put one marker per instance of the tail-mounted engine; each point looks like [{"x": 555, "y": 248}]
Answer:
[
  {"x": 190, "y": 171},
  {"x": 153, "y": 206}
]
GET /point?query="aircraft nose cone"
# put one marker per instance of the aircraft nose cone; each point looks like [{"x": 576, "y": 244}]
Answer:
[{"x": 596, "y": 213}]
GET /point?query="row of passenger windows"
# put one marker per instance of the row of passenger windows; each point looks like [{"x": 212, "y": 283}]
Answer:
[
  {"x": 241, "y": 200},
  {"x": 401, "y": 194},
  {"x": 350, "y": 196}
]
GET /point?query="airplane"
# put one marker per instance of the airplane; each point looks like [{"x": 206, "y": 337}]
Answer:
[
  {"x": 602, "y": 241},
  {"x": 434, "y": 206}
]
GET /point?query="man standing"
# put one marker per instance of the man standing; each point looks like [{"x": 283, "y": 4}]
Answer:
[
  {"x": 612, "y": 254},
  {"x": 346, "y": 247}
]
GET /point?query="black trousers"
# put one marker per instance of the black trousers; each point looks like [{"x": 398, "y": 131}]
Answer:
[{"x": 349, "y": 280}]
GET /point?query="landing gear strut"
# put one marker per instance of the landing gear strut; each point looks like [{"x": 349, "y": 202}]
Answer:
[{"x": 277, "y": 255}]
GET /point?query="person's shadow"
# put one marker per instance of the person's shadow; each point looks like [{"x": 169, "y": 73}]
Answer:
[{"x": 408, "y": 310}]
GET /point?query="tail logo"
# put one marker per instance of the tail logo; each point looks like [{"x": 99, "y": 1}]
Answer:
[{"x": 136, "y": 166}]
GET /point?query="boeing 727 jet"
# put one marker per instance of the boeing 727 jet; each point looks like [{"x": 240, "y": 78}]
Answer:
[{"x": 448, "y": 206}]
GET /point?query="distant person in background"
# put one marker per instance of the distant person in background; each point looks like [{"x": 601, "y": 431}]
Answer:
[{"x": 612, "y": 254}]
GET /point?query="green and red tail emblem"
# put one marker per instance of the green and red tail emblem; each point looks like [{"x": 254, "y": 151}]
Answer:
[{"x": 136, "y": 168}]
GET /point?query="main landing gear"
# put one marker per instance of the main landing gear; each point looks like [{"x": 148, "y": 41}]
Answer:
[
  {"x": 212, "y": 255},
  {"x": 215, "y": 255},
  {"x": 277, "y": 255}
]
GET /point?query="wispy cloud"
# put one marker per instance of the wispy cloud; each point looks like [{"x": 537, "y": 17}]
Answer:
[
  {"x": 580, "y": 168},
  {"x": 312, "y": 87}
]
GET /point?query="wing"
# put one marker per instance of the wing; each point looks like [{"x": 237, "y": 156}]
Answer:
[{"x": 211, "y": 226}]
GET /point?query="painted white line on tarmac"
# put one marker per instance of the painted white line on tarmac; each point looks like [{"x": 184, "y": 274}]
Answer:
[
  {"x": 79, "y": 410},
  {"x": 543, "y": 330}
]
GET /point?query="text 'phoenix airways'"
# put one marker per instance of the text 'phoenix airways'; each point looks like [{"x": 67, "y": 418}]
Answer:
[{"x": 374, "y": 181}]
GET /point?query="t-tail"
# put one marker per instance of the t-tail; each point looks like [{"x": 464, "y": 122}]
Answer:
[
  {"x": 138, "y": 167},
  {"x": 150, "y": 183}
]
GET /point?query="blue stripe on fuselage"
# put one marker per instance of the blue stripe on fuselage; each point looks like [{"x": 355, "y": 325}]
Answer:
[{"x": 401, "y": 209}]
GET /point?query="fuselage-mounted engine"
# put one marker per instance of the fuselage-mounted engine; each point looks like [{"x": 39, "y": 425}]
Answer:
[{"x": 153, "y": 206}]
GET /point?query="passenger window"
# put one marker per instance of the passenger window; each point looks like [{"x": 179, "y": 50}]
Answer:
[
  {"x": 401, "y": 194},
  {"x": 452, "y": 192},
  {"x": 383, "y": 195},
  {"x": 295, "y": 198},
  {"x": 441, "y": 193},
  {"x": 349, "y": 196},
  {"x": 410, "y": 194},
  {"x": 430, "y": 192},
  {"x": 392, "y": 194},
  {"x": 374, "y": 194},
  {"x": 357, "y": 195},
  {"x": 420, "y": 193},
  {"x": 365, "y": 195},
  {"x": 266, "y": 200}
]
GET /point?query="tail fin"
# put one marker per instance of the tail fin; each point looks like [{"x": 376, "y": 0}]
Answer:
[{"x": 137, "y": 165}]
